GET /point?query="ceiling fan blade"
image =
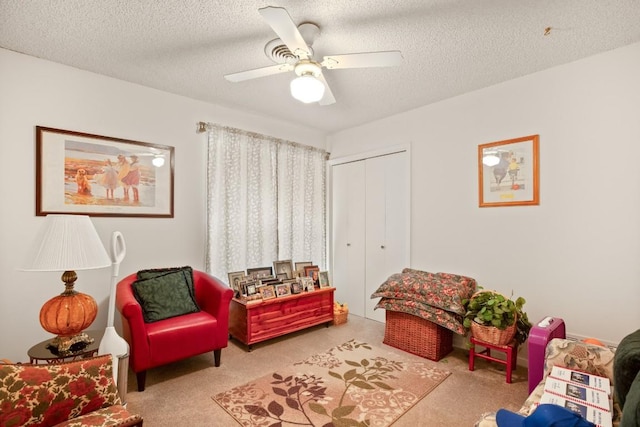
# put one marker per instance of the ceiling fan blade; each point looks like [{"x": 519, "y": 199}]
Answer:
[
  {"x": 280, "y": 21},
  {"x": 363, "y": 60},
  {"x": 258, "y": 72},
  {"x": 327, "y": 98}
]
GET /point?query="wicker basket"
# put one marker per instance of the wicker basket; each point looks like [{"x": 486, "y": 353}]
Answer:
[
  {"x": 416, "y": 335},
  {"x": 340, "y": 317},
  {"x": 491, "y": 334}
]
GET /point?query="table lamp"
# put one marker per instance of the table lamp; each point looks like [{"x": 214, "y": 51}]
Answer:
[{"x": 67, "y": 243}]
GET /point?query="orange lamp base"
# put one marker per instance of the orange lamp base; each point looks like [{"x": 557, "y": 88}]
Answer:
[{"x": 66, "y": 316}]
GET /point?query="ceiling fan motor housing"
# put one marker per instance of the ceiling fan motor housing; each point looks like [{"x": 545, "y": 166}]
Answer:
[{"x": 307, "y": 67}]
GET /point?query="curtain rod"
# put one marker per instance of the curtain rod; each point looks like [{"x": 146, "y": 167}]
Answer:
[{"x": 204, "y": 127}]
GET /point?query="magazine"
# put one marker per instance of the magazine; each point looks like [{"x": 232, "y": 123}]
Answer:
[
  {"x": 601, "y": 418},
  {"x": 586, "y": 394},
  {"x": 583, "y": 378}
]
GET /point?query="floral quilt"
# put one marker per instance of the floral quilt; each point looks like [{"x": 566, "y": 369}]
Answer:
[
  {"x": 436, "y": 297},
  {"x": 436, "y": 315}
]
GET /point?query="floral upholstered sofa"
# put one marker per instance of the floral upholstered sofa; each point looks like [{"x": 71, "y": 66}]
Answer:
[
  {"x": 78, "y": 393},
  {"x": 575, "y": 355}
]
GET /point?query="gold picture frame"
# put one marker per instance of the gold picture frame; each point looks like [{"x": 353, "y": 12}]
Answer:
[
  {"x": 267, "y": 292},
  {"x": 508, "y": 172}
]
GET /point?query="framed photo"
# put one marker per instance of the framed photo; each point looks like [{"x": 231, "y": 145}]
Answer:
[
  {"x": 508, "y": 173},
  {"x": 307, "y": 284},
  {"x": 269, "y": 281},
  {"x": 323, "y": 279},
  {"x": 250, "y": 288},
  {"x": 296, "y": 288},
  {"x": 283, "y": 267},
  {"x": 267, "y": 292},
  {"x": 313, "y": 272},
  {"x": 81, "y": 173},
  {"x": 260, "y": 272},
  {"x": 235, "y": 280},
  {"x": 301, "y": 265},
  {"x": 283, "y": 289}
]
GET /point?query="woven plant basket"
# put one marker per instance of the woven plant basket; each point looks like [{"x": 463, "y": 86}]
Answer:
[{"x": 491, "y": 334}]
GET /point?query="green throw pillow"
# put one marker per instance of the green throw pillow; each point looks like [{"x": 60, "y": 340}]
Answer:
[
  {"x": 156, "y": 272},
  {"x": 166, "y": 294}
]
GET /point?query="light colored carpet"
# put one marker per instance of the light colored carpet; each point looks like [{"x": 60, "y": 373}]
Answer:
[
  {"x": 180, "y": 394},
  {"x": 353, "y": 384}
]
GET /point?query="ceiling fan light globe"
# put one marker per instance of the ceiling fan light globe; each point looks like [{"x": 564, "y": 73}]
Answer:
[{"x": 307, "y": 89}]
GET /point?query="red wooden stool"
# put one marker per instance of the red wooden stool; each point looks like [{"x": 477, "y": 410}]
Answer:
[{"x": 510, "y": 350}]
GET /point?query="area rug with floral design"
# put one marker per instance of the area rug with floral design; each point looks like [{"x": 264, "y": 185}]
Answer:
[{"x": 353, "y": 384}]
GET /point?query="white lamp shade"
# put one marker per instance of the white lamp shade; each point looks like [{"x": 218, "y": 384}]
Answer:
[
  {"x": 67, "y": 242},
  {"x": 307, "y": 89}
]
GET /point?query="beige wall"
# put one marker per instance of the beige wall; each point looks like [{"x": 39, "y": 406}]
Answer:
[
  {"x": 577, "y": 254},
  {"x": 36, "y": 92},
  {"x": 574, "y": 256}
]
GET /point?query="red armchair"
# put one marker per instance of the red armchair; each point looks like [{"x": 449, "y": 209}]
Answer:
[{"x": 169, "y": 340}]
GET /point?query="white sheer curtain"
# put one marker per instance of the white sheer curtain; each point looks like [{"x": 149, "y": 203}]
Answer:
[{"x": 265, "y": 201}]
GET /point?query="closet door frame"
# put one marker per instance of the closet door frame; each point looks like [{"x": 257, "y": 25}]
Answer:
[{"x": 358, "y": 157}]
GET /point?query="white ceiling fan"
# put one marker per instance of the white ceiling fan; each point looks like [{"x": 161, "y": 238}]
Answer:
[{"x": 310, "y": 85}]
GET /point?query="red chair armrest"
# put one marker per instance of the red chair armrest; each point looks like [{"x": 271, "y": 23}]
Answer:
[
  {"x": 133, "y": 325},
  {"x": 213, "y": 296}
]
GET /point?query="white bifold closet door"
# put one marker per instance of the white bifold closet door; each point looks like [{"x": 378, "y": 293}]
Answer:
[
  {"x": 348, "y": 235},
  {"x": 371, "y": 228}
]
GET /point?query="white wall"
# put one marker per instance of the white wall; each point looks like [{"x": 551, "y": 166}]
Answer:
[
  {"x": 577, "y": 254},
  {"x": 36, "y": 92}
]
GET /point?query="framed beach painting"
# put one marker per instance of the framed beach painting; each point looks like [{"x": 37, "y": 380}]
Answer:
[
  {"x": 81, "y": 173},
  {"x": 508, "y": 173}
]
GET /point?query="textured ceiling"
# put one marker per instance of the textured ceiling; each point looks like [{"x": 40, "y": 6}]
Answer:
[{"x": 449, "y": 46}]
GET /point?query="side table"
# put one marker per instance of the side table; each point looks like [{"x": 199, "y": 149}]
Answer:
[
  {"x": 40, "y": 352},
  {"x": 510, "y": 350}
]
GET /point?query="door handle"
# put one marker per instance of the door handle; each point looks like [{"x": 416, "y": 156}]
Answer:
[
  {"x": 382, "y": 247},
  {"x": 348, "y": 244}
]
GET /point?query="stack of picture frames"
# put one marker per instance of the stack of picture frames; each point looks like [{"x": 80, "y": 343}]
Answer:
[{"x": 283, "y": 279}]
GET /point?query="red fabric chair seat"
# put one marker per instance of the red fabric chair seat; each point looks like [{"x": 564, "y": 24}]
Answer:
[
  {"x": 192, "y": 331},
  {"x": 169, "y": 340}
]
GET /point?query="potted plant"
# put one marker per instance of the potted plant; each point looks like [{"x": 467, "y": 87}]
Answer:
[{"x": 491, "y": 309}]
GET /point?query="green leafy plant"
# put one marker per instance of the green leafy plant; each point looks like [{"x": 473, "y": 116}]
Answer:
[{"x": 489, "y": 308}]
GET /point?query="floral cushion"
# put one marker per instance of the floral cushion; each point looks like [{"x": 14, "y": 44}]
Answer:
[
  {"x": 593, "y": 359},
  {"x": 436, "y": 315},
  {"x": 565, "y": 353},
  {"x": 46, "y": 395},
  {"x": 114, "y": 416},
  {"x": 442, "y": 290}
]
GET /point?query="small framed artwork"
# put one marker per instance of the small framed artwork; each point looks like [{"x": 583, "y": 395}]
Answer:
[
  {"x": 250, "y": 288},
  {"x": 508, "y": 172},
  {"x": 86, "y": 174},
  {"x": 270, "y": 281},
  {"x": 323, "y": 279},
  {"x": 296, "y": 288},
  {"x": 301, "y": 265},
  {"x": 283, "y": 289},
  {"x": 312, "y": 271},
  {"x": 267, "y": 292},
  {"x": 307, "y": 284},
  {"x": 260, "y": 272},
  {"x": 235, "y": 280},
  {"x": 283, "y": 267}
]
